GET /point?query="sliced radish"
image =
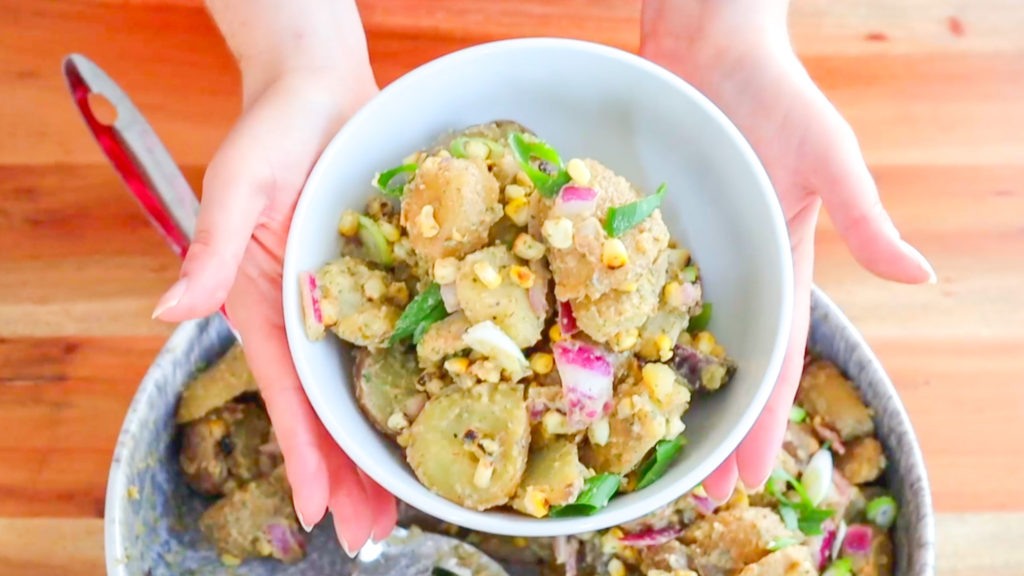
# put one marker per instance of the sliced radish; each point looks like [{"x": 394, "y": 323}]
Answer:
[
  {"x": 586, "y": 374},
  {"x": 859, "y": 538},
  {"x": 449, "y": 297},
  {"x": 817, "y": 477},
  {"x": 491, "y": 341},
  {"x": 575, "y": 201},
  {"x": 311, "y": 302},
  {"x": 566, "y": 319},
  {"x": 826, "y": 543},
  {"x": 650, "y": 537}
]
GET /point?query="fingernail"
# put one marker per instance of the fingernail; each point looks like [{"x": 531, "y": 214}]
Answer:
[
  {"x": 344, "y": 546},
  {"x": 171, "y": 298},
  {"x": 302, "y": 522},
  {"x": 921, "y": 260}
]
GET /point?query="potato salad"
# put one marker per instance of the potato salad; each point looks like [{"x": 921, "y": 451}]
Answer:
[{"x": 524, "y": 326}]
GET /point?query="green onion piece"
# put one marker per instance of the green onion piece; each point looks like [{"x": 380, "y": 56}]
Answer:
[
  {"x": 882, "y": 511},
  {"x": 797, "y": 414},
  {"x": 422, "y": 310},
  {"x": 597, "y": 492},
  {"x": 841, "y": 567},
  {"x": 812, "y": 518},
  {"x": 690, "y": 274},
  {"x": 827, "y": 445},
  {"x": 781, "y": 543},
  {"x": 525, "y": 151},
  {"x": 438, "y": 571},
  {"x": 436, "y": 315},
  {"x": 700, "y": 321},
  {"x": 377, "y": 247},
  {"x": 383, "y": 180},
  {"x": 797, "y": 514},
  {"x": 458, "y": 146},
  {"x": 789, "y": 517},
  {"x": 621, "y": 219},
  {"x": 654, "y": 467}
]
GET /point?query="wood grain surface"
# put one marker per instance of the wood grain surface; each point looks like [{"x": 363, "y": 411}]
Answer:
[{"x": 933, "y": 88}]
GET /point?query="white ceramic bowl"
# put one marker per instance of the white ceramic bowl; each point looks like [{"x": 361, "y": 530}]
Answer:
[{"x": 585, "y": 100}]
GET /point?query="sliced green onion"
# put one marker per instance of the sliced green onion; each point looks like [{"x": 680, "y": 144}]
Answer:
[
  {"x": 797, "y": 414},
  {"x": 882, "y": 511},
  {"x": 597, "y": 492},
  {"x": 436, "y": 315},
  {"x": 700, "y": 321},
  {"x": 526, "y": 150},
  {"x": 800, "y": 514},
  {"x": 458, "y": 146},
  {"x": 781, "y": 543},
  {"x": 423, "y": 310},
  {"x": 377, "y": 247},
  {"x": 438, "y": 571},
  {"x": 690, "y": 274},
  {"x": 841, "y": 567},
  {"x": 622, "y": 219},
  {"x": 812, "y": 518},
  {"x": 383, "y": 180},
  {"x": 790, "y": 517},
  {"x": 657, "y": 463}
]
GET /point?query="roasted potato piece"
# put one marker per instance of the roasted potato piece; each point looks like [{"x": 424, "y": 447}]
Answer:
[
  {"x": 553, "y": 477},
  {"x": 255, "y": 521},
  {"x": 348, "y": 308},
  {"x": 635, "y": 426},
  {"x": 879, "y": 561},
  {"x": 826, "y": 394},
  {"x": 503, "y": 164},
  {"x": 723, "y": 543},
  {"x": 470, "y": 446},
  {"x": 507, "y": 304},
  {"x": 702, "y": 371},
  {"x": 863, "y": 461},
  {"x": 800, "y": 442},
  {"x": 449, "y": 207},
  {"x": 386, "y": 387},
  {"x": 223, "y": 450},
  {"x": 668, "y": 557},
  {"x": 441, "y": 340},
  {"x": 790, "y": 561},
  {"x": 227, "y": 379},
  {"x": 672, "y": 317},
  {"x": 617, "y": 311}
]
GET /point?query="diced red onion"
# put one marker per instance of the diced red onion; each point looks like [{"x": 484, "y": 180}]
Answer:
[
  {"x": 859, "y": 538},
  {"x": 650, "y": 537},
  {"x": 538, "y": 295},
  {"x": 586, "y": 374},
  {"x": 828, "y": 538},
  {"x": 705, "y": 505},
  {"x": 449, "y": 297},
  {"x": 575, "y": 200},
  {"x": 566, "y": 319}
]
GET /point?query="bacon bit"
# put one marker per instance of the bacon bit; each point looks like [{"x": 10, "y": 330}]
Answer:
[
  {"x": 956, "y": 26},
  {"x": 876, "y": 37}
]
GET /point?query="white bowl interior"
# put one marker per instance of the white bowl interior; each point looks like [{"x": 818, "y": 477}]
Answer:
[{"x": 586, "y": 101}]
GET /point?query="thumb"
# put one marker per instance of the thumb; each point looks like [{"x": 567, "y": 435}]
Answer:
[
  {"x": 850, "y": 196},
  {"x": 233, "y": 199}
]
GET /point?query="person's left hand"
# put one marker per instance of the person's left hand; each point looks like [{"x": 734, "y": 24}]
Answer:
[{"x": 738, "y": 54}]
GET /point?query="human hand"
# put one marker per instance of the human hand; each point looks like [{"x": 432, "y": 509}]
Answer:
[
  {"x": 738, "y": 55},
  {"x": 249, "y": 193}
]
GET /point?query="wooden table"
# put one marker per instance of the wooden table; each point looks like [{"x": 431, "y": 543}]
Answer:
[{"x": 934, "y": 88}]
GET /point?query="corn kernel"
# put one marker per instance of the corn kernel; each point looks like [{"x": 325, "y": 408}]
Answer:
[
  {"x": 523, "y": 180},
  {"x": 527, "y": 248},
  {"x": 673, "y": 294},
  {"x": 486, "y": 371},
  {"x": 458, "y": 365},
  {"x": 663, "y": 342},
  {"x": 665, "y": 355},
  {"x": 558, "y": 232},
  {"x": 629, "y": 553},
  {"x": 477, "y": 150},
  {"x": 554, "y": 422},
  {"x": 685, "y": 339},
  {"x": 483, "y": 474},
  {"x": 399, "y": 293},
  {"x": 598, "y": 432},
  {"x": 518, "y": 211},
  {"x": 613, "y": 253},
  {"x": 610, "y": 541},
  {"x": 514, "y": 191},
  {"x": 675, "y": 428},
  {"x": 521, "y": 275},
  {"x": 535, "y": 502},
  {"x": 704, "y": 342},
  {"x": 625, "y": 340},
  {"x": 659, "y": 379},
  {"x": 389, "y": 230},
  {"x": 434, "y": 386},
  {"x": 489, "y": 446},
  {"x": 628, "y": 287},
  {"x": 397, "y": 421},
  {"x": 616, "y": 567},
  {"x": 445, "y": 270},
  {"x": 349, "y": 223},
  {"x": 555, "y": 334},
  {"x": 444, "y": 154},
  {"x": 542, "y": 362},
  {"x": 230, "y": 560},
  {"x": 378, "y": 207},
  {"x": 519, "y": 541},
  {"x": 718, "y": 351},
  {"x": 625, "y": 407},
  {"x": 578, "y": 171},
  {"x": 457, "y": 236},
  {"x": 374, "y": 289},
  {"x": 427, "y": 223},
  {"x": 487, "y": 274}
]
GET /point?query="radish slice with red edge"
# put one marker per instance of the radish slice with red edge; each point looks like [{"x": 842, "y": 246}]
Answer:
[
  {"x": 586, "y": 374},
  {"x": 650, "y": 537},
  {"x": 859, "y": 538},
  {"x": 575, "y": 201},
  {"x": 312, "y": 312},
  {"x": 566, "y": 319}
]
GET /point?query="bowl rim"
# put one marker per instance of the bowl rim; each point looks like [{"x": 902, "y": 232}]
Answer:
[{"x": 366, "y": 457}]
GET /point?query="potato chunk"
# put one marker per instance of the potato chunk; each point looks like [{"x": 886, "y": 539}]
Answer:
[
  {"x": 554, "y": 477},
  {"x": 228, "y": 378},
  {"x": 617, "y": 311},
  {"x": 347, "y": 310},
  {"x": 863, "y": 461},
  {"x": 507, "y": 305},
  {"x": 462, "y": 431},
  {"x": 635, "y": 426},
  {"x": 723, "y": 543},
  {"x": 441, "y": 340},
  {"x": 789, "y": 561},
  {"x": 462, "y": 199},
  {"x": 826, "y": 394},
  {"x": 386, "y": 386}
]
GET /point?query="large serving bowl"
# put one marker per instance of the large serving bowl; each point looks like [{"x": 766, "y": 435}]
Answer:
[
  {"x": 151, "y": 514},
  {"x": 586, "y": 100}
]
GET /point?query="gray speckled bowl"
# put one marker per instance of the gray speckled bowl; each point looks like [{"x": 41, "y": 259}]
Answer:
[{"x": 151, "y": 513}]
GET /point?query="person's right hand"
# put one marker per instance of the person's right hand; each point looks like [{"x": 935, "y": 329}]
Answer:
[{"x": 249, "y": 193}]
